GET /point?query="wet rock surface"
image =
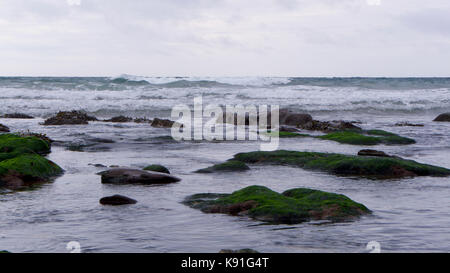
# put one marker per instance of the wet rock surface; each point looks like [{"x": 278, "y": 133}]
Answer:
[
  {"x": 117, "y": 200},
  {"x": 134, "y": 176},
  {"x": 70, "y": 118}
]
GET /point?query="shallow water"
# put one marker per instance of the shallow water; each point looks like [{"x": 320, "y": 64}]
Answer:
[{"x": 409, "y": 215}]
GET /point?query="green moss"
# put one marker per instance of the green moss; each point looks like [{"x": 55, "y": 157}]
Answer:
[
  {"x": 157, "y": 168},
  {"x": 228, "y": 166},
  {"x": 371, "y": 137},
  {"x": 377, "y": 167},
  {"x": 290, "y": 207},
  {"x": 11, "y": 143},
  {"x": 31, "y": 165},
  {"x": 4, "y": 251}
]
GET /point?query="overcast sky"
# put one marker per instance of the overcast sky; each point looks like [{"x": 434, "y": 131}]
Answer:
[{"x": 225, "y": 37}]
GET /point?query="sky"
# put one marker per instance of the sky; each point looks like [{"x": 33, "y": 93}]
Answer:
[{"x": 310, "y": 38}]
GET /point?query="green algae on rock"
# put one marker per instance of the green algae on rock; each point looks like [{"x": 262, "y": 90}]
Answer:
[
  {"x": 228, "y": 166},
  {"x": 21, "y": 163},
  {"x": 157, "y": 168},
  {"x": 370, "y": 137},
  {"x": 291, "y": 207},
  {"x": 339, "y": 164},
  {"x": 12, "y": 143}
]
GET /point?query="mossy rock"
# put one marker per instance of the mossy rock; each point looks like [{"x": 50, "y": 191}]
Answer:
[
  {"x": 291, "y": 207},
  {"x": 15, "y": 144},
  {"x": 157, "y": 168},
  {"x": 370, "y": 137},
  {"x": 339, "y": 164},
  {"x": 228, "y": 166},
  {"x": 4, "y": 251}
]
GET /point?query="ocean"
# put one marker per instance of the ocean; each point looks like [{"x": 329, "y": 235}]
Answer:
[{"x": 409, "y": 215}]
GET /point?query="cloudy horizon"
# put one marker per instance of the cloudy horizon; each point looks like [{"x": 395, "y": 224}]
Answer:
[{"x": 310, "y": 38}]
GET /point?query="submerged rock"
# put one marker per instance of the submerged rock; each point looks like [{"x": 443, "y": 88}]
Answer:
[
  {"x": 339, "y": 164},
  {"x": 119, "y": 119},
  {"x": 229, "y": 166},
  {"x": 162, "y": 123},
  {"x": 117, "y": 200},
  {"x": 368, "y": 152},
  {"x": 291, "y": 207},
  {"x": 69, "y": 118},
  {"x": 17, "y": 116},
  {"x": 369, "y": 137},
  {"x": 134, "y": 176},
  {"x": 405, "y": 123},
  {"x": 4, "y": 128},
  {"x": 443, "y": 117},
  {"x": 157, "y": 168}
]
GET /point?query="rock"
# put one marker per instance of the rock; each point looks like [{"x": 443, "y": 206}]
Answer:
[
  {"x": 162, "y": 123},
  {"x": 369, "y": 152},
  {"x": 296, "y": 119},
  {"x": 17, "y": 116},
  {"x": 229, "y": 166},
  {"x": 369, "y": 137},
  {"x": 157, "y": 168},
  {"x": 44, "y": 137},
  {"x": 119, "y": 119},
  {"x": 12, "y": 145},
  {"x": 117, "y": 200},
  {"x": 134, "y": 176},
  {"x": 69, "y": 118},
  {"x": 291, "y": 207},
  {"x": 97, "y": 165},
  {"x": 27, "y": 170},
  {"x": 4, "y": 252},
  {"x": 345, "y": 165},
  {"x": 239, "y": 251},
  {"x": 329, "y": 126},
  {"x": 443, "y": 117},
  {"x": 405, "y": 123},
  {"x": 142, "y": 120},
  {"x": 4, "y": 128}
]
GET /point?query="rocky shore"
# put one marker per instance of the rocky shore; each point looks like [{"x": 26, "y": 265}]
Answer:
[{"x": 23, "y": 165}]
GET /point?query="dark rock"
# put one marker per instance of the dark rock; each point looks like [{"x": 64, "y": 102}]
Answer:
[
  {"x": 134, "y": 176},
  {"x": 368, "y": 152},
  {"x": 443, "y": 117},
  {"x": 119, "y": 119},
  {"x": 4, "y": 128},
  {"x": 162, "y": 123},
  {"x": 97, "y": 165},
  {"x": 142, "y": 120},
  {"x": 329, "y": 126},
  {"x": 18, "y": 116},
  {"x": 69, "y": 118},
  {"x": 296, "y": 119},
  {"x": 157, "y": 168},
  {"x": 117, "y": 200}
]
